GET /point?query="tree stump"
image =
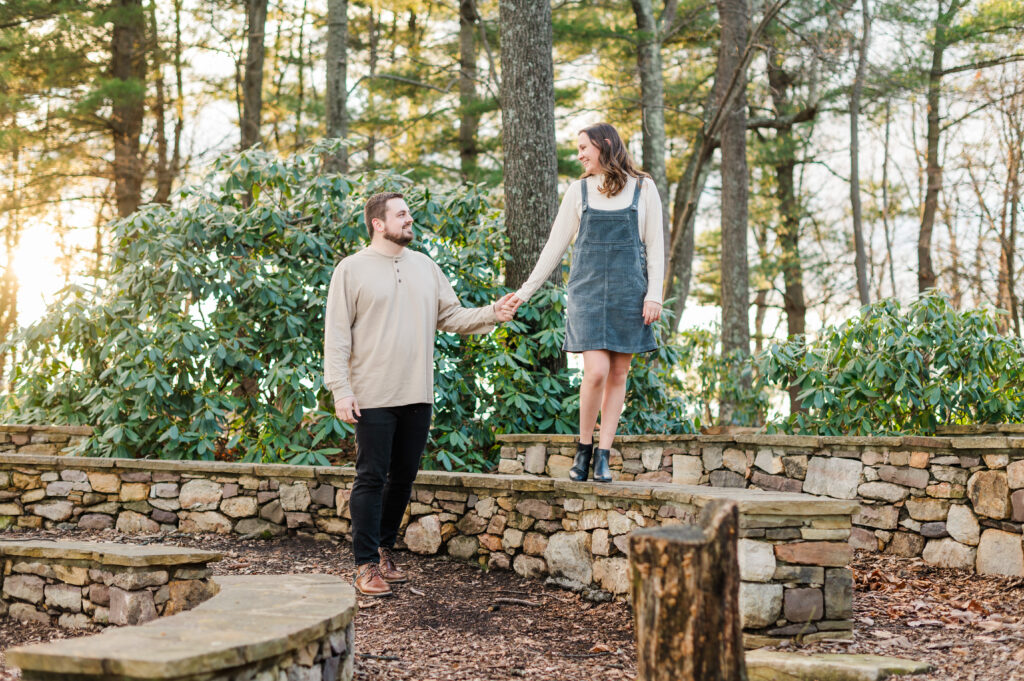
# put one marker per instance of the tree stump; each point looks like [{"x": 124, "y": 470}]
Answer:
[{"x": 685, "y": 585}]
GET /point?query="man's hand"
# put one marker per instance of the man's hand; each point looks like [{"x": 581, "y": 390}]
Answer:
[
  {"x": 347, "y": 409},
  {"x": 652, "y": 311},
  {"x": 505, "y": 308}
]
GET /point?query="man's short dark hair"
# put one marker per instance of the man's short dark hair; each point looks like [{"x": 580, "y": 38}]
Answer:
[{"x": 376, "y": 207}]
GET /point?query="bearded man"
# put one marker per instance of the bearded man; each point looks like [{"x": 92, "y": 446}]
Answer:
[{"x": 384, "y": 307}]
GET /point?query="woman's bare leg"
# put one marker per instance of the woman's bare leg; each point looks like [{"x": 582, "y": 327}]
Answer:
[
  {"x": 613, "y": 397},
  {"x": 596, "y": 364}
]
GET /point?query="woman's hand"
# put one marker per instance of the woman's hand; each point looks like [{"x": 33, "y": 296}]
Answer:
[{"x": 652, "y": 311}]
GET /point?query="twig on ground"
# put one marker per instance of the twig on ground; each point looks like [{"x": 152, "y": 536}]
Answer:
[{"x": 516, "y": 601}]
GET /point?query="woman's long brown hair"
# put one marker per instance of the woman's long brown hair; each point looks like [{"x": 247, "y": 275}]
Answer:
[{"x": 614, "y": 158}]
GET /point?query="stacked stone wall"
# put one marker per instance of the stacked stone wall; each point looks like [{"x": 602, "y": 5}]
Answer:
[
  {"x": 956, "y": 500},
  {"x": 33, "y": 439},
  {"x": 83, "y": 586},
  {"x": 794, "y": 550}
]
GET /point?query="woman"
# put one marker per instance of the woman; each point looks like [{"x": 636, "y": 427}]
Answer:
[{"x": 614, "y": 283}]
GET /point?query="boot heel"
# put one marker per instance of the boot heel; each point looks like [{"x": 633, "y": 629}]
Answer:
[
  {"x": 602, "y": 473},
  {"x": 581, "y": 462}
]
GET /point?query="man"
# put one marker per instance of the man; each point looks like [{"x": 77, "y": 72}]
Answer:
[{"x": 384, "y": 306}]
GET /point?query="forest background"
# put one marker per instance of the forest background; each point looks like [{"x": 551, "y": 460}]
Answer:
[{"x": 841, "y": 182}]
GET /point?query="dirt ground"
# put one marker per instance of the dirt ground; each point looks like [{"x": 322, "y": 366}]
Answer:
[{"x": 456, "y": 622}]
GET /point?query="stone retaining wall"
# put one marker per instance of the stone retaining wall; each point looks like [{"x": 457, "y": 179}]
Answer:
[
  {"x": 955, "y": 500},
  {"x": 83, "y": 585},
  {"x": 42, "y": 439},
  {"x": 793, "y": 547}
]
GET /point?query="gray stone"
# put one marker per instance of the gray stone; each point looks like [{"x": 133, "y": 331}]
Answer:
[
  {"x": 757, "y": 560},
  {"x": 95, "y": 521},
  {"x": 463, "y": 547},
  {"x": 838, "y": 594},
  {"x": 169, "y": 505},
  {"x": 953, "y": 474},
  {"x": 424, "y": 535},
  {"x": 72, "y": 475},
  {"x": 934, "y": 530},
  {"x": 989, "y": 494},
  {"x": 242, "y": 507},
  {"x": 295, "y": 497},
  {"x": 26, "y": 613},
  {"x": 712, "y": 457},
  {"x": 57, "y": 511},
  {"x": 499, "y": 561},
  {"x": 24, "y": 587},
  {"x": 1000, "y": 553},
  {"x": 130, "y": 522},
  {"x": 132, "y": 580},
  {"x": 651, "y": 458},
  {"x": 131, "y": 607},
  {"x": 74, "y": 621},
  {"x": 768, "y": 462},
  {"x": 273, "y": 512},
  {"x": 948, "y": 553},
  {"x": 536, "y": 458},
  {"x": 880, "y": 516},
  {"x": 164, "y": 490},
  {"x": 199, "y": 495},
  {"x": 800, "y": 574},
  {"x": 612, "y": 574},
  {"x": 686, "y": 470},
  {"x": 1017, "y": 505},
  {"x": 567, "y": 555},
  {"x": 962, "y": 525},
  {"x": 905, "y": 544},
  {"x": 803, "y": 604},
  {"x": 62, "y": 489},
  {"x": 1015, "y": 474},
  {"x": 323, "y": 495},
  {"x": 64, "y": 596},
  {"x": 723, "y": 478},
  {"x": 926, "y": 509},
  {"x": 795, "y": 466},
  {"x": 883, "y": 491},
  {"x": 165, "y": 517},
  {"x": 832, "y": 477},
  {"x": 471, "y": 523},
  {"x": 510, "y": 467},
  {"x": 535, "y": 508},
  {"x": 256, "y": 527},
  {"x": 204, "y": 521},
  {"x": 862, "y": 539},
  {"x": 529, "y": 566},
  {"x": 294, "y": 521},
  {"x": 910, "y": 477},
  {"x": 760, "y": 604}
]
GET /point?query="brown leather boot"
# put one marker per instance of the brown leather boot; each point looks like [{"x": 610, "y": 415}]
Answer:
[
  {"x": 370, "y": 582},
  {"x": 388, "y": 570}
]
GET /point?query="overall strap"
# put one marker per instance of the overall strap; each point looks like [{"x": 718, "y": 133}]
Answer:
[
  {"x": 583, "y": 189},
  {"x": 636, "y": 194}
]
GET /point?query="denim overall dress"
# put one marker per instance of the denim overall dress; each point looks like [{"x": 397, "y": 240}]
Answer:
[{"x": 608, "y": 282}]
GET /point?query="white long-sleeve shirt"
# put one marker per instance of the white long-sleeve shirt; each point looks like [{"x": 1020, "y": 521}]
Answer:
[{"x": 567, "y": 225}]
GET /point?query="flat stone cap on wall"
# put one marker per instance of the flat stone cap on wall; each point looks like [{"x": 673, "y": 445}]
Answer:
[
  {"x": 124, "y": 555},
  {"x": 251, "y": 619}
]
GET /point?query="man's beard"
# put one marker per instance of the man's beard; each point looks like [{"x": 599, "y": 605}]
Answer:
[{"x": 401, "y": 239}]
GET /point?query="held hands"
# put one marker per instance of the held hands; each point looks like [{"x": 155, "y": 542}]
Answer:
[
  {"x": 506, "y": 306},
  {"x": 347, "y": 409},
  {"x": 652, "y": 312}
]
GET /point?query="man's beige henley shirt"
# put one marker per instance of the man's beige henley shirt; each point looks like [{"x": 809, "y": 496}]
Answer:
[{"x": 382, "y": 314}]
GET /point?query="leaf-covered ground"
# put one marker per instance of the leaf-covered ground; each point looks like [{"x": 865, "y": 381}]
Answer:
[{"x": 457, "y": 622}]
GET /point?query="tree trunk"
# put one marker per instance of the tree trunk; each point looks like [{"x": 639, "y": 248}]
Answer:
[
  {"x": 860, "y": 258},
  {"x": 684, "y": 217},
  {"x": 885, "y": 199},
  {"x": 469, "y": 119},
  {"x": 793, "y": 301},
  {"x": 128, "y": 66},
  {"x": 925, "y": 272},
  {"x": 734, "y": 268},
  {"x": 528, "y": 133},
  {"x": 337, "y": 85},
  {"x": 652, "y": 104},
  {"x": 684, "y": 584},
  {"x": 252, "y": 83}
]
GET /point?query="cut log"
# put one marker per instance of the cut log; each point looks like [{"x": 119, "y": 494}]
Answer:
[{"x": 685, "y": 585}]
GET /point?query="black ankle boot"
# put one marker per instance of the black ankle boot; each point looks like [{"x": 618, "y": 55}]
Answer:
[
  {"x": 581, "y": 462},
  {"x": 602, "y": 473}
]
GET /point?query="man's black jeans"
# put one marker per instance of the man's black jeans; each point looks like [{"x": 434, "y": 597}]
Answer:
[{"x": 389, "y": 443}]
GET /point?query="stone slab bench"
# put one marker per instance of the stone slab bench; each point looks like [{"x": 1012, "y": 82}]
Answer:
[
  {"x": 793, "y": 547},
  {"x": 86, "y": 584},
  {"x": 256, "y": 627}
]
